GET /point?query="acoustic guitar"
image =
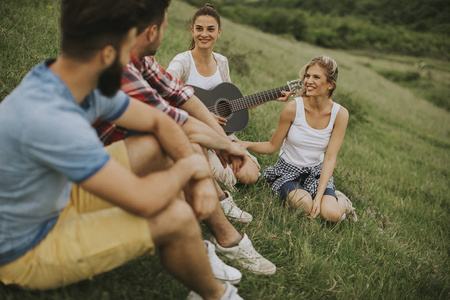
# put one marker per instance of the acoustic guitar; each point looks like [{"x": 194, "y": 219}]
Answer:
[{"x": 226, "y": 101}]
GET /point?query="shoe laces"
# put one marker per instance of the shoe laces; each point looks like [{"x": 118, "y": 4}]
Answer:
[{"x": 250, "y": 252}]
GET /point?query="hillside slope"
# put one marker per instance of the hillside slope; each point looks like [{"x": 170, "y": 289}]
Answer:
[{"x": 394, "y": 166}]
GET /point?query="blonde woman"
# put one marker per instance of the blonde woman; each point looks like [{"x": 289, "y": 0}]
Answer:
[{"x": 310, "y": 132}]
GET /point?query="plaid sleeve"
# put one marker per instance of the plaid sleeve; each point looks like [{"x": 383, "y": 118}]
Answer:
[
  {"x": 168, "y": 86},
  {"x": 134, "y": 84}
]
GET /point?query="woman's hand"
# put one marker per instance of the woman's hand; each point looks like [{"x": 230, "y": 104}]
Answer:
[
  {"x": 315, "y": 211},
  {"x": 286, "y": 95},
  {"x": 220, "y": 120},
  {"x": 243, "y": 144}
]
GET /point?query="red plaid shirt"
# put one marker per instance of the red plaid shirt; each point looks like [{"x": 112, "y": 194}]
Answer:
[{"x": 148, "y": 82}]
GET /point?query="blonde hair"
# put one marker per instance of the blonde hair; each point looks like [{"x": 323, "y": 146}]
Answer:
[{"x": 331, "y": 70}]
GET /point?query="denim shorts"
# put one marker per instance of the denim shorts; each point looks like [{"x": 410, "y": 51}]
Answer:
[{"x": 289, "y": 186}]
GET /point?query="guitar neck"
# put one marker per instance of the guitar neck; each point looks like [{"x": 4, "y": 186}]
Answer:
[{"x": 255, "y": 99}]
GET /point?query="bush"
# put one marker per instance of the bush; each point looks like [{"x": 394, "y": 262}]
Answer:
[
  {"x": 358, "y": 112},
  {"x": 399, "y": 76}
]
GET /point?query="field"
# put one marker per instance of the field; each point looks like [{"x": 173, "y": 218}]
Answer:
[{"x": 394, "y": 166}]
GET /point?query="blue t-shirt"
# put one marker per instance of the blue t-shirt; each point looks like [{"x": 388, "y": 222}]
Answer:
[{"x": 46, "y": 143}]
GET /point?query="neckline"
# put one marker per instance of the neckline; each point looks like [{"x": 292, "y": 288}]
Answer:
[
  {"x": 306, "y": 122},
  {"x": 195, "y": 66}
]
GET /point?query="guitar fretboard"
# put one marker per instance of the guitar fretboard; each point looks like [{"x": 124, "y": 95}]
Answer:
[{"x": 255, "y": 99}]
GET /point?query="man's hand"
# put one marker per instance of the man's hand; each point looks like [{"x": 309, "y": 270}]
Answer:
[
  {"x": 198, "y": 165},
  {"x": 243, "y": 144},
  {"x": 234, "y": 156},
  {"x": 202, "y": 196}
]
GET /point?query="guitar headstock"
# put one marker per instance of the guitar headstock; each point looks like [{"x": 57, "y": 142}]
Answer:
[{"x": 295, "y": 84}]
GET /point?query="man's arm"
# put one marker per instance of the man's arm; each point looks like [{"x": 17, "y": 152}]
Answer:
[
  {"x": 200, "y": 133},
  {"x": 145, "y": 118},
  {"x": 196, "y": 108},
  {"x": 145, "y": 196},
  {"x": 148, "y": 195}
]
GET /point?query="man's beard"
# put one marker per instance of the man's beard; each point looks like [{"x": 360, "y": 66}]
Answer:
[{"x": 109, "y": 81}]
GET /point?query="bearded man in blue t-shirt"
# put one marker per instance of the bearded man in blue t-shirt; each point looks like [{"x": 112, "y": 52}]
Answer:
[{"x": 70, "y": 208}]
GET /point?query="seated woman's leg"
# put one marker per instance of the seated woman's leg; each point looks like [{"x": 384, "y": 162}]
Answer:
[
  {"x": 296, "y": 197},
  {"x": 332, "y": 208}
]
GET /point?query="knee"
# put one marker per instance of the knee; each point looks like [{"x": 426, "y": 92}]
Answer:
[
  {"x": 331, "y": 215},
  {"x": 146, "y": 155},
  {"x": 181, "y": 215},
  {"x": 299, "y": 198},
  {"x": 145, "y": 142},
  {"x": 249, "y": 174},
  {"x": 198, "y": 149}
]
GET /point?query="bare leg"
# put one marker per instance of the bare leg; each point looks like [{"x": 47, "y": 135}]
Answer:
[
  {"x": 175, "y": 230},
  {"x": 177, "y": 234},
  {"x": 145, "y": 154},
  {"x": 300, "y": 199},
  {"x": 332, "y": 210},
  {"x": 224, "y": 232}
]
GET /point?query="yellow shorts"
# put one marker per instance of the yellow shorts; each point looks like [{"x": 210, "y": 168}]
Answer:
[{"x": 90, "y": 237}]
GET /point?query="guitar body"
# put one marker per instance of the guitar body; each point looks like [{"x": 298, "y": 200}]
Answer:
[
  {"x": 226, "y": 101},
  {"x": 218, "y": 100}
]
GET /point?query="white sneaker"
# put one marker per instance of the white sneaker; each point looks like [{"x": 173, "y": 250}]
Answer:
[
  {"x": 230, "y": 294},
  {"x": 246, "y": 256},
  {"x": 233, "y": 212},
  {"x": 220, "y": 270},
  {"x": 349, "y": 209}
]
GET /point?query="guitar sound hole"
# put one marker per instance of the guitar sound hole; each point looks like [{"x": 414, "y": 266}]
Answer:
[{"x": 223, "y": 108}]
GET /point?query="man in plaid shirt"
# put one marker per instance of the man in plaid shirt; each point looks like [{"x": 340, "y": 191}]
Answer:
[{"x": 146, "y": 80}]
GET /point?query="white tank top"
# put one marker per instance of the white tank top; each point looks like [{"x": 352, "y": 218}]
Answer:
[
  {"x": 206, "y": 83},
  {"x": 305, "y": 146}
]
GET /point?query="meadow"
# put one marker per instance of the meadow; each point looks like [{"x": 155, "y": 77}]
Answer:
[{"x": 394, "y": 166}]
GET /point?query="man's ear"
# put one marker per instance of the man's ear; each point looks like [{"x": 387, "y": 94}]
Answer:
[
  {"x": 108, "y": 55},
  {"x": 152, "y": 32}
]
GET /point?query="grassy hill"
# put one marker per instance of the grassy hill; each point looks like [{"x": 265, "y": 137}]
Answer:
[{"x": 394, "y": 166}]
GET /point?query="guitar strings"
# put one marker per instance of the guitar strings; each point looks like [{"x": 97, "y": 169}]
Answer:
[
  {"x": 257, "y": 98},
  {"x": 225, "y": 109}
]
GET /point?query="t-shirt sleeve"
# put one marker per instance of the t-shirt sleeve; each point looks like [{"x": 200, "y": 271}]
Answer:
[
  {"x": 67, "y": 144},
  {"x": 110, "y": 109}
]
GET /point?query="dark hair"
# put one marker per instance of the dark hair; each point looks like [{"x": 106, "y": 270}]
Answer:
[
  {"x": 206, "y": 10},
  {"x": 153, "y": 13},
  {"x": 89, "y": 25}
]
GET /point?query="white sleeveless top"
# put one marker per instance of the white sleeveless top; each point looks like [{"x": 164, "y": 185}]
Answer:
[
  {"x": 305, "y": 146},
  {"x": 206, "y": 83}
]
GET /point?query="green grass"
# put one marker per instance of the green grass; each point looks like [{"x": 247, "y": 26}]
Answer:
[{"x": 394, "y": 166}]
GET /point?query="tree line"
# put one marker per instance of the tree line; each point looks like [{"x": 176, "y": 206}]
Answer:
[{"x": 405, "y": 27}]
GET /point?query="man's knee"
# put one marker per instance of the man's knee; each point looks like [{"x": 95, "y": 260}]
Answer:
[
  {"x": 145, "y": 154},
  {"x": 198, "y": 149},
  {"x": 176, "y": 221}
]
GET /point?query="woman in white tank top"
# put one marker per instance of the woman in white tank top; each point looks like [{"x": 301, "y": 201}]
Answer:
[{"x": 310, "y": 132}]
